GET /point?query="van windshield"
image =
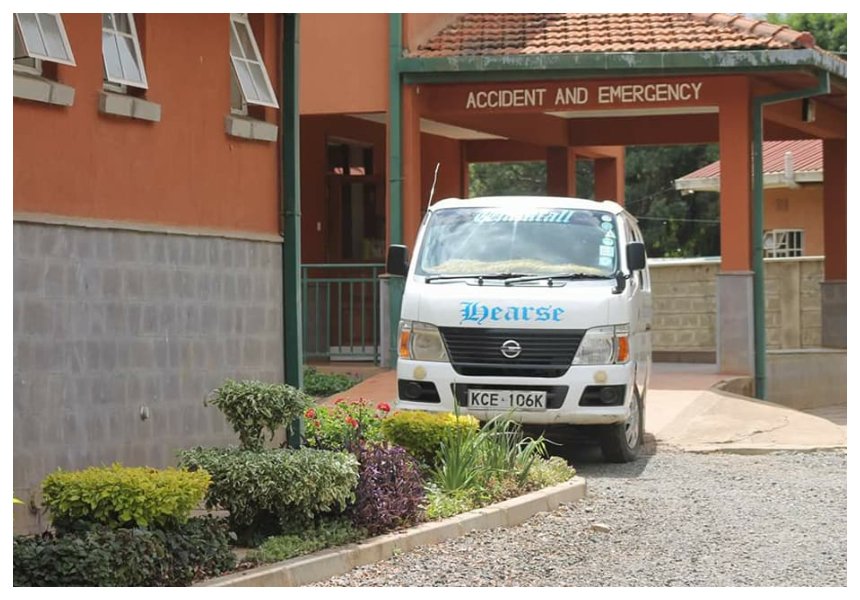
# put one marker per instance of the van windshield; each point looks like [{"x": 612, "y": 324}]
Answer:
[{"x": 520, "y": 241}]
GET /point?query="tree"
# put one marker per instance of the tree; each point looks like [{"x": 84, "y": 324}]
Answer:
[{"x": 830, "y": 30}]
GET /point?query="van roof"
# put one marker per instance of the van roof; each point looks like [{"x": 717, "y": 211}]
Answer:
[{"x": 537, "y": 201}]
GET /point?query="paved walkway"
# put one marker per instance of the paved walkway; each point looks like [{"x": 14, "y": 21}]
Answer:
[{"x": 683, "y": 410}]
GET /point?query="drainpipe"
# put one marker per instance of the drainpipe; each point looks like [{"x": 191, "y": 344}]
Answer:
[
  {"x": 395, "y": 173},
  {"x": 291, "y": 216},
  {"x": 758, "y": 105}
]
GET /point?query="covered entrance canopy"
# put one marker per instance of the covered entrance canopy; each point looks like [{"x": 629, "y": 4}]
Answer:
[{"x": 557, "y": 86}]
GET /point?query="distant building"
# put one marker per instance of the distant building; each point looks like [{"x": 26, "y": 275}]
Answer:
[{"x": 793, "y": 196}]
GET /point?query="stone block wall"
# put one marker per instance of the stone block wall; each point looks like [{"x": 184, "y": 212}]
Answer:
[
  {"x": 685, "y": 307},
  {"x": 111, "y": 326}
]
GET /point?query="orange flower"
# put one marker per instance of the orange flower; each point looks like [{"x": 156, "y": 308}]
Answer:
[
  {"x": 352, "y": 422},
  {"x": 311, "y": 414}
]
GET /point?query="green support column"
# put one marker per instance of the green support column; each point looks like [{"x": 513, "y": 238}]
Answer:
[
  {"x": 395, "y": 171},
  {"x": 760, "y": 335},
  {"x": 291, "y": 216}
]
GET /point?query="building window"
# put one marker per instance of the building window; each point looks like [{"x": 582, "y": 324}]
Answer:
[
  {"x": 248, "y": 68},
  {"x": 20, "y": 61},
  {"x": 42, "y": 36},
  {"x": 121, "y": 51},
  {"x": 783, "y": 243}
]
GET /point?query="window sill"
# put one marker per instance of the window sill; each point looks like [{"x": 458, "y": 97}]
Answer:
[
  {"x": 121, "y": 105},
  {"x": 250, "y": 129},
  {"x": 39, "y": 89}
]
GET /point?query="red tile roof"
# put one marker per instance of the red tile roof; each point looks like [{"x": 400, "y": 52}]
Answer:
[
  {"x": 806, "y": 155},
  {"x": 551, "y": 33}
]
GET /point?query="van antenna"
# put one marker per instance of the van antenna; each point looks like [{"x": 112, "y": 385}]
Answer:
[{"x": 433, "y": 187}]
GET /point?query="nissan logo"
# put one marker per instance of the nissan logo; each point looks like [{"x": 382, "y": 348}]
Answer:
[{"x": 511, "y": 349}]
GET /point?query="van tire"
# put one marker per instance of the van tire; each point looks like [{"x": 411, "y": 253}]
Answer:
[{"x": 621, "y": 442}]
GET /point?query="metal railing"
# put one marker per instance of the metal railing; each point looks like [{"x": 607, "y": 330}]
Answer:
[{"x": 340, "y": 304}]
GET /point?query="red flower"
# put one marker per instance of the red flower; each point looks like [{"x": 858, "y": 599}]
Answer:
[
  {"x": 383, "y": 406},
  {"x": 311, "y": 414},
  {"x": 351, "y": 421}
]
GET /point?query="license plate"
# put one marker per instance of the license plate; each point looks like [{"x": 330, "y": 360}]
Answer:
[{"x": 507, "y": 399}]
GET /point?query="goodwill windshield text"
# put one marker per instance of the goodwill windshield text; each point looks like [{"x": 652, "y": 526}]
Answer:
[{"x": 603, "y": 94}]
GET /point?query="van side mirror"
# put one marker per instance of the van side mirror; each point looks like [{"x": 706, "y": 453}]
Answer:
[
  {"x": 635, "y": 256},
  {"x": 397, "y": 262}
]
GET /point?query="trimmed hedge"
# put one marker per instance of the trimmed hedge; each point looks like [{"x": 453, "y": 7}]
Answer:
[
  {"x": 271, "y": 490},
  {"x": 252, "y": 406},
  {"x": 119, "y": 496},
  {"x": 422, "y": 433},
  {"x": 102, "y": 556}
]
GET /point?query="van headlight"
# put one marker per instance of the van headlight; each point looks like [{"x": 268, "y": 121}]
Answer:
[
  {"x": 421, "y": 341},
  {"x": 604, "y": 346}
]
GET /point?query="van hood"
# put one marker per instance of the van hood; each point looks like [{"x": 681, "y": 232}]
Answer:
[{"x": 566, "y": 305}]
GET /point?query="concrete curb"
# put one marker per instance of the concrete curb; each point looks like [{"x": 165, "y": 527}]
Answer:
[{"x": 322, "y": 565}]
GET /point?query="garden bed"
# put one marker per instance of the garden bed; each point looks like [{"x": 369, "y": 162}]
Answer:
[{"x": 361, "y": 473}]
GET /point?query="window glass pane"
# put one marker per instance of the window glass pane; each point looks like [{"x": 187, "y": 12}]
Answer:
[
  {"x": 107, "y": 21},
  {"x": 260, "y": 82},
  {"x": 245, "y": 81},
  {"x": 235, "y": 50},
  {"x": 121, "y": 20},
  {"x": 128, "y": 59},
  {"x": 236, "y": 102},
  {"x": 53, "y": 37},
  {"x": 247, "y": 46},
  {"x": 111, "y": 53},
  {"x": 32, "y": 35}
]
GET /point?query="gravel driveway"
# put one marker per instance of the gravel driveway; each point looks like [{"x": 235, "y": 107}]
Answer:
[{"x": 671, "y": 519}]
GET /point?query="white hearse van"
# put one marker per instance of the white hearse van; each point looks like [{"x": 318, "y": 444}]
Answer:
[{"x": 538, "y": 305}]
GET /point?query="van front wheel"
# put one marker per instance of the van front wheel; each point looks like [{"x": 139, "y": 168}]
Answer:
[{"x": 620, "y": 442}]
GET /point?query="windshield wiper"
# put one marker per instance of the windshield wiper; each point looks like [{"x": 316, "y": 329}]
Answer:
[
  {"x": 479, "y": 276},
  {"x": 551, "y": 278}
]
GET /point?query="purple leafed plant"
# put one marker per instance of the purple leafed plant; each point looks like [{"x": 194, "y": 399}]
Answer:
[{"x": 390, "y": 489}]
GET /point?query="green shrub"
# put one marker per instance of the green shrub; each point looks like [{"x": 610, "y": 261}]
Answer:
[
  {"x": 198, "y": 549},
  {"x": 326, "y": 384},
  {"x": 99, "y": 557},
  {"x": 422, "y": 433},
  {"x": 548, "y": 472},
  {"x": 442, "y": 504},
  {"x": 271, "y": 490},
  {"x": 252, "y": 406},
  {"x": 103, "y": 556},
  {"x": 120, "y": 496},
  {"x": 323, "y": 535}
]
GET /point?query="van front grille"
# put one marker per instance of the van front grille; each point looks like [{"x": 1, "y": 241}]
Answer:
[{"x": 544, "y": 352}]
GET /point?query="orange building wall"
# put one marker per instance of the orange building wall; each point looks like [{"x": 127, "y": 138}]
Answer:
[
  {"x": 801, "y": 208},
  {"x": 315, "y": 130},
  {"x": 181, "y": 171},
  {"x": 343, "y": 63}
]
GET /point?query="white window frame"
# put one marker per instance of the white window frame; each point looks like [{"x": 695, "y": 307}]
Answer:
[
  {"x": 45, "y": 56},
  {"x": 778, "y": 243},
  {"x": 240, "y": 20},
  {"x": 119, "y": 81},
  {"x": 22, "y": 67}
]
